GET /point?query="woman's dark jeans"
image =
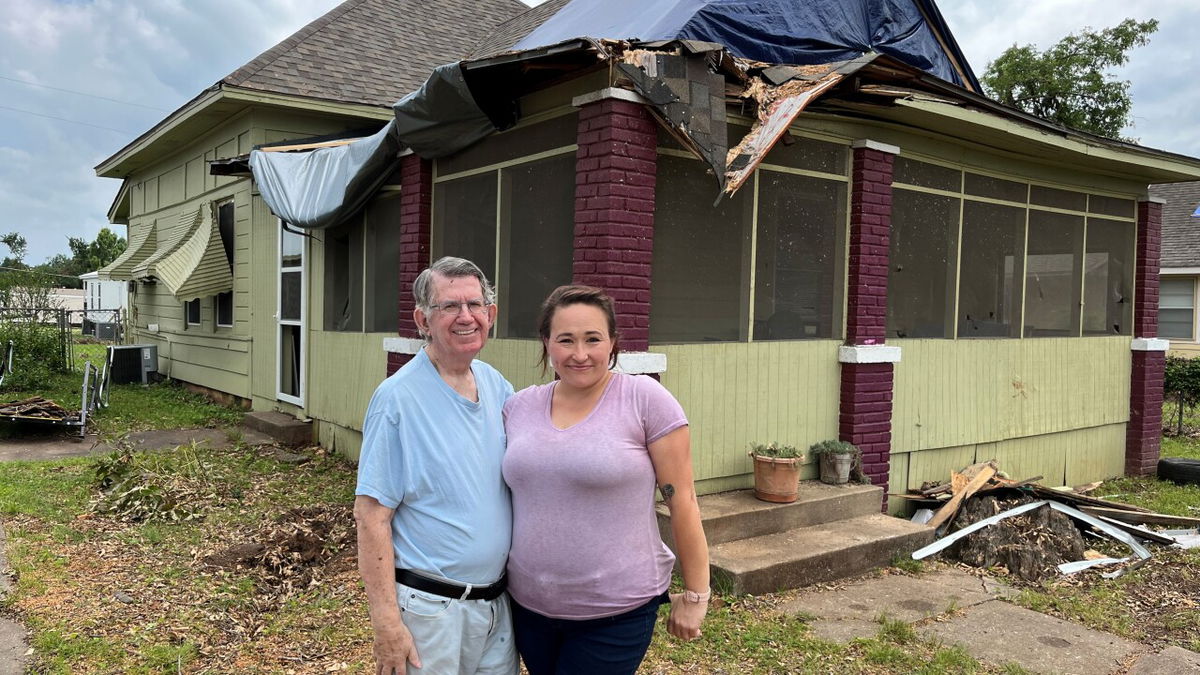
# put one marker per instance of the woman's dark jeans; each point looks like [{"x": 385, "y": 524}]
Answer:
[{"x": 608, "y": 646}]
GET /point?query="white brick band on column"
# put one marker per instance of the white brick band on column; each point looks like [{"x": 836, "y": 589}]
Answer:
[
  {"x": 868, "y": 354},
  {"x": 400, "y": 345},
  {"x": 608, "y": 92},
  {"x": 641, "y": 363},
  {"x": 1150, "y": 345},
  {"x": 876, "y": 145}
]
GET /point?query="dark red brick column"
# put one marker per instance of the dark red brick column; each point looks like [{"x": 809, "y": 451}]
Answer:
[
  {"x": 865, "y": 417},
  {"x": 1143, "y": 434},
  {"x": 416, "y": 199},
  {"x": 614, "y": 210}
]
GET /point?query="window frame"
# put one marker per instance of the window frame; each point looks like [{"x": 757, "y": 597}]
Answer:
[
  {"x": 1195, "y": 336},
  {"x": 187, "y": 312},
  {"x": 1086, "y": 213}
]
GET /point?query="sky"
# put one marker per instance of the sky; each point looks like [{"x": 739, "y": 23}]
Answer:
[{"x": 80, "y": 79}]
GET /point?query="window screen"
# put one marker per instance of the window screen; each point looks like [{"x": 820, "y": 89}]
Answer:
[
  {"x": 991, "y": 270},
  {"x": 921, "y": 276},
  {"x": 1108, "y": 278},
  {"x": 1052, "y": 279},
  {"x": 796, "y": 285}
]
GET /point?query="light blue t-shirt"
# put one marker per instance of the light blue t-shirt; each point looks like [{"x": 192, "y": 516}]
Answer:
[{"x": 435, "y": 457}]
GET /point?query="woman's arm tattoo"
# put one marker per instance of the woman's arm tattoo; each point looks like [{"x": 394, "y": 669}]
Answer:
[{"x": 667, "y": 491}]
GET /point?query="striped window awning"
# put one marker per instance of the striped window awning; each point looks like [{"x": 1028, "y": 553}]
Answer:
[
  {"x": 142, "y": 244},
  {"x": 195, "y": 266}
]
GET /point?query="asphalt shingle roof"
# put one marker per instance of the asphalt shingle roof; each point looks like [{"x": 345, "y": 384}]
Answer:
[
  {"x": 1180, "y": 231},
  {"x": 373, "y": 51},
  {"x": 515, "y": 29}
]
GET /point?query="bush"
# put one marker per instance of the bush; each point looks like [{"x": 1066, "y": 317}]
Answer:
[
  {"x": 38, "y": 353},
  {"x": 1181, "y": 383},
  {"x": 774, "y": 450}
]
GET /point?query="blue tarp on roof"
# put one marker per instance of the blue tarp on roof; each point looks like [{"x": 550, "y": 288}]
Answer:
[{"x": 798, "y": 32}]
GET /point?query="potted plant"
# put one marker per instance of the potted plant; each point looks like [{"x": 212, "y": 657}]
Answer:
[
  {"x": 838, "y": 460},
  {"x": 776, "y": 471}
]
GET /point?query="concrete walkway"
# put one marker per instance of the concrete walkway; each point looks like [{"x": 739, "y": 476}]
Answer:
[
  {"x": 14, "y": 646},
  {"x": 958, "y": 608}
]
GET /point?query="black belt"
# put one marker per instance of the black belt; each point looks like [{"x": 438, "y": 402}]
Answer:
[{"x": 449, "y": 590}]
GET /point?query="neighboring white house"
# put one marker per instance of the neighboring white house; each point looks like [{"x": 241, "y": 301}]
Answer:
[
  {"x": 104, "y": 304},
  {"x": 1179, "y": 274}
]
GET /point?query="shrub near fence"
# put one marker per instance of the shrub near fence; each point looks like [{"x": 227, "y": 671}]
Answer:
[
  {"x": 39, "y": 350},
  {"x": 1181, "y": 385}
]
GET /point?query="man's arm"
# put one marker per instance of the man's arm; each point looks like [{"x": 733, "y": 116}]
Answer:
[{"x": 377, "y": 564}]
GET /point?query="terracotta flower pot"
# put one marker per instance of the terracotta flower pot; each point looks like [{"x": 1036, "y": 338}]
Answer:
[{"x": 776, "y": 480}]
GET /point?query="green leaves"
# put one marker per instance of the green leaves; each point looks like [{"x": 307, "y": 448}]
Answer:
[{"x": 1068, "y": 83}]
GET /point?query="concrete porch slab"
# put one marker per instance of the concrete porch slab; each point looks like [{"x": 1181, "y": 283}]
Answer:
[{"x": 1169, "y": 660}]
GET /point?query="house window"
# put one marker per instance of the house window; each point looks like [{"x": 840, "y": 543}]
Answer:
[
  {"x": 515, "y": 218},
  {"x": 343, "y": 276},
  {"x": 224, "y": 309},
  {"x": 1052, "y": 280},
  {"x": 381, "y": 260},
  {"x": 1108, "y": 278},
  {"x": 225, "y": 225},
  {"x": 990, "y": 273},
  {"x": 798, "y": 261},
  {"x": 921, "y": 278},
  {"x": 1029, "y": 260},
  {"x": 361, "y": 277},
  {"x": 700, "y": 273},
  {"x": 191, "y": 312},
  {"x": 1176, "y": 308}
]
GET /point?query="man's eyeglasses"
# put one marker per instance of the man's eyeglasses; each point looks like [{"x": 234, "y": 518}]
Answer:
[{"x": 476, "y": 307}]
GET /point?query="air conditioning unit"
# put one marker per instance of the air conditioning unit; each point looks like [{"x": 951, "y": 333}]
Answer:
[{"x": 133, "y": 363}]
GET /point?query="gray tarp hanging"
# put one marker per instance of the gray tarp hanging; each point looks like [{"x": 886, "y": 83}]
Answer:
[{"x": 323, "y": 188}]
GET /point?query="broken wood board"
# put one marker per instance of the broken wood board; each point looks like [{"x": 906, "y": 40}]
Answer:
[
  {"x": 1141, "y": 517},
  {"x": 773, "y": 121},
  {"x": 947, "y": 512},
  {"x": 1077, "y": 499}
]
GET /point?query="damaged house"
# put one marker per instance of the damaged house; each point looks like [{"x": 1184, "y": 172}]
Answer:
[{"x": 815, "y": 227}]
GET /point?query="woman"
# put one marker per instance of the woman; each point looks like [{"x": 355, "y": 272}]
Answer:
[{"x": 588, "y": 570}]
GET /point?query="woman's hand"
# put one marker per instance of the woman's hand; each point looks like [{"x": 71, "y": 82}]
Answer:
[{"x": 684, "y": 620}]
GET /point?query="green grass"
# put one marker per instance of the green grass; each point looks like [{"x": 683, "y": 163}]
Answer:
[
  {"x": 70, "y": 561},
  {"x": 132, "y": 407}
]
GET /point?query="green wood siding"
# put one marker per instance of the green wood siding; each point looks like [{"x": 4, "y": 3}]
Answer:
[
  {"x": 343, "y": 371},
  {"x": 960, "y": 392},
  {"x": 738, "y": 393},
  {"x": 517, "y": 359}
]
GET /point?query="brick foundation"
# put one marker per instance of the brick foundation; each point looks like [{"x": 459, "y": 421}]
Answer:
[
  {"x": 1143, "y": 434},
  {"x": 614, "y": 210},
  {"x": 865, "y": 417}
]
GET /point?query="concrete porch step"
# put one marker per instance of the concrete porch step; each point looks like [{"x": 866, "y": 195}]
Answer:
[
  {"x": 283, "y": 428},
  {"x": 813, "y": 554},
  {"x": 728, "y": 516}
]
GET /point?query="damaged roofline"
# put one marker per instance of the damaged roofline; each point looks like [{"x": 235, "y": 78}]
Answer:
[{"x": 111, "y": 167}]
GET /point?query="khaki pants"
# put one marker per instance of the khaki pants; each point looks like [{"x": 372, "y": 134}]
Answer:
[{"x": 459, "y": 636}]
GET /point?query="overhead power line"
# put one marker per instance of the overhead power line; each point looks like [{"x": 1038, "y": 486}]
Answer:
[
  {"x": 63, "y": 119},
  {"x": 82, "y": 93}
]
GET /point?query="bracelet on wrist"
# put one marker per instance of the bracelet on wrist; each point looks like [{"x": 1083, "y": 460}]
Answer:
[{"x": 694, "y": 597}]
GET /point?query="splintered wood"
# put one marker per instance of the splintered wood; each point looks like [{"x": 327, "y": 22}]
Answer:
[{"x": 35, "y": 407}]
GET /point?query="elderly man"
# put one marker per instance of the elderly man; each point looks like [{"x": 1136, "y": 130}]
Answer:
[{"x": 433, "y": 513}]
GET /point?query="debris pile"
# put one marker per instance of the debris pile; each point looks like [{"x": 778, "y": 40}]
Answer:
[
  {"x": 286, "y": 554},
  {"x": 986, "y": 519},
  {"x": 36, "y": 407}
]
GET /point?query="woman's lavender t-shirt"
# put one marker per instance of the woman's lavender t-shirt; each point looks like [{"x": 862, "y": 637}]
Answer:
[{"x": 585, "y": 536}]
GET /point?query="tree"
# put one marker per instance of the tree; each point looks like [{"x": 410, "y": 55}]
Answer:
[
  {"x": 16, "y": 247},
  {"x": 1068, "y": 83},
  {"x": 89, "y": 256}
]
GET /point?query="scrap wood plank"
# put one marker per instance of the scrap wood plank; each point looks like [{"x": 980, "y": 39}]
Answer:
[
  {"x": 1135, "y": 530},
  {"x": 1141, "y": 517},
  {"x": 947, "y": 512},
  {"x": 1075, "y": 499}
]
